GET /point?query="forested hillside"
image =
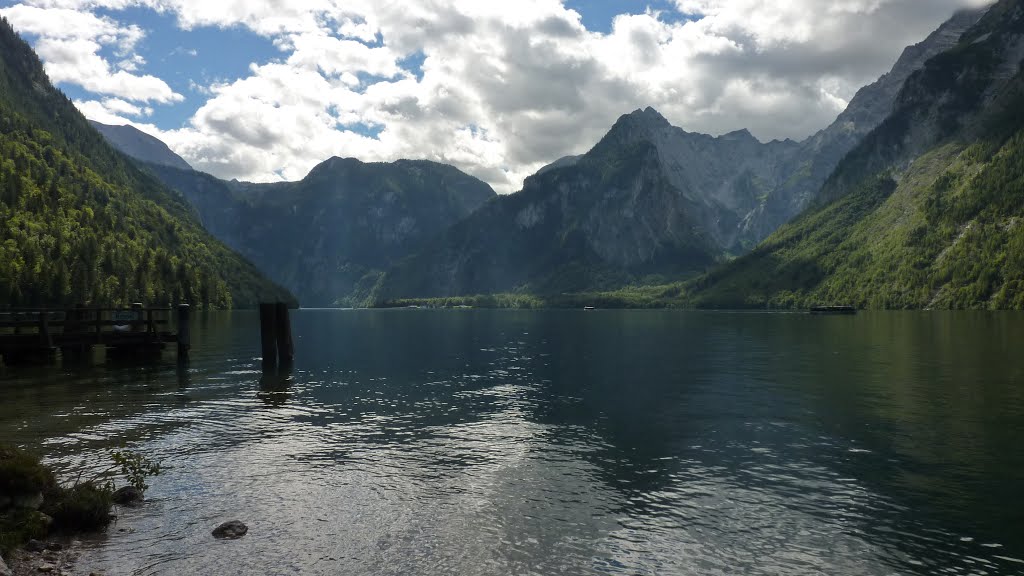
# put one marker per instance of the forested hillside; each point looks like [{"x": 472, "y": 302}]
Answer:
[{"x": 79, "y": 223}]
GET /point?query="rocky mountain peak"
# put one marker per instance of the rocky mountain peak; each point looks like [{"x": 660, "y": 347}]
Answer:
[
  {"x": 139, "y": 145},
  {"x": 739, "y": 135},
  {"x": 649, "y": 117},
  {"x": 641, "y": 124},
  {"x": 333, "y": 165}
]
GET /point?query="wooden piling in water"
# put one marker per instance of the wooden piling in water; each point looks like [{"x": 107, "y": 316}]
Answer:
[
  {"x": 283, "y": 333},
  {"x": 184, "y": 331},
  {"x": 268, "y": 333},
  {"x": 136, "y": 321},
  {"x": 45, "y": 340}
]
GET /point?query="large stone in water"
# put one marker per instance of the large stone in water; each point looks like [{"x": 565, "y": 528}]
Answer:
[
  {"x": 127, "y": 495},
  {"x": 230, "y": 530}
]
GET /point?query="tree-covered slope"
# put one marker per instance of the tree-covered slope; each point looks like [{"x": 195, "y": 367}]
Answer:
[
  {"x": 80, "y": 223},
  {"x": 926, "y": 212},
  {"x": 329, "y": 236}
]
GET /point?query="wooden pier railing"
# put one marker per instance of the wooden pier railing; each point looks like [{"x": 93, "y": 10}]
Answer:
[{"x": 33, "y": 334}]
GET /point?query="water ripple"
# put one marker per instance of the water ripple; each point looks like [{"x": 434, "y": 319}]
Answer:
[{"x": 541, "y": 443}]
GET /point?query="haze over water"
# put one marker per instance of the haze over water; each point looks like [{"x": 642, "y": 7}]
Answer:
[{"x": 501, "y": 442}]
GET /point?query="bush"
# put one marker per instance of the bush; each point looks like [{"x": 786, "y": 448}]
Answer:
[
  {"x": 22, "y": 474},
  {"x": 19, "y": 526},
  {"x": 84, "y": 507}
]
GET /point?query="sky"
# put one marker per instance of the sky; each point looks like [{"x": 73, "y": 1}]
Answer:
[{"x": 264, "y": 90}]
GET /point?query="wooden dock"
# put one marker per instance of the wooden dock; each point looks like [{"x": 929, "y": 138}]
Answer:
[{"x": 36, "y": 335}]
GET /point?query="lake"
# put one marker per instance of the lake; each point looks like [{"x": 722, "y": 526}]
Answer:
[{"x": 558, "y": 442}]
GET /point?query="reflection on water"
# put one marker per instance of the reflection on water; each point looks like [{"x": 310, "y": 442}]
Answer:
[{"x": 493, "y": 442}]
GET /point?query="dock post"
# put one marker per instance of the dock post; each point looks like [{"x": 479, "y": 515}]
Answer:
[
  {"x": 72, "y": 326},
  {"x": 46, "y": 340},
  {"x": 184, "y": 331},
  {"x": 283, "y": 325},
  {"x": 268, "y": 333},
  {"x": 136, "y": 322}
]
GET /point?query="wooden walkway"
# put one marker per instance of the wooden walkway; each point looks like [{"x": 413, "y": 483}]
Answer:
[{"x": 35, "y": 335}]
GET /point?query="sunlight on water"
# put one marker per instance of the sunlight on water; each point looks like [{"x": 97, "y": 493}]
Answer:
[{"x": 490, "y": 442}]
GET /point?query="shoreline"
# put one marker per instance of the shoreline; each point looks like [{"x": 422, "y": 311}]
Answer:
[
  {"x": 59, "y": 556},
  {"x": 43, "y": 522}
]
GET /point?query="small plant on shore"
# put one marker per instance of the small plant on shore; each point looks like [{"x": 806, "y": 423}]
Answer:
[{"x": 135, "y": 467}]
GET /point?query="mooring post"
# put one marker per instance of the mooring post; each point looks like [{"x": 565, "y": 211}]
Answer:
[
  {"x": 44, "y": 330},
  {"x": 136, "y": 322},
  {"x": 285, "y": 345},
  {"x": 72, "y": 352},
  {"x": 71, "y": 320},
  {"x": 184, "y": 331},
  {"x": 268, "y": 333}
]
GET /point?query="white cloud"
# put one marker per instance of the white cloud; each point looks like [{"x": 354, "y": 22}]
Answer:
[
  {"x": 77, "y": 61},
  {"x": 112, "y": 110},
  {"x": 69, "y": 44},
  {"x": 505, "y": 87}
]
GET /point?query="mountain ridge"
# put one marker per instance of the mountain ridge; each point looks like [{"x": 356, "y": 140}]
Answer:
[
  {"x": 81, "y": 223},
  {"x": 329, "y": 235},
  {"x": 675, "y": 203},
  {"x": 139, "y": 145},
  {"x": 925, "y": 212}
]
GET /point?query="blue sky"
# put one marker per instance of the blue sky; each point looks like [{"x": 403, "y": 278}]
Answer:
[{"x": 263, "y": 90}]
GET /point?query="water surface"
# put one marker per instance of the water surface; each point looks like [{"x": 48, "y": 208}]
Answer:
[{"x": 503, "y": 442}]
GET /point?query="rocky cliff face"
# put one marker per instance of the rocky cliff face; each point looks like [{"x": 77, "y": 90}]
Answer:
[
  {"x": 725, "y": 177},
  {"x": 329, "y": 235},
  {"x": 139, "y": 145},
  {"x": 925, "y": 212},
  {"x": 818, "y": 156},
  {"x": 637, "y": 204},
  {"x": 650, "y": 199}
]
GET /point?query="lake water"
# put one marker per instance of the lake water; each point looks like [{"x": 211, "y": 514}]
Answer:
[{"x": 560, "y": 442}]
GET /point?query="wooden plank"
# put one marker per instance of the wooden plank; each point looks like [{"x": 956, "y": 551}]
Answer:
[{"x": 35, "y": 323}]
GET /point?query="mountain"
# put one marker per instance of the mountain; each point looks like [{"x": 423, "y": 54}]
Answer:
[
  {"x": 139, "y": 145},
  {"x": 329, "y": 236},
  {"x": 80, "y": 223},
  {"x": 638, "y": 203},
  {"x": 927, "y": 211},
  {"x": 649, "y": 202},
  {"x": 819, "y": 155}
]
